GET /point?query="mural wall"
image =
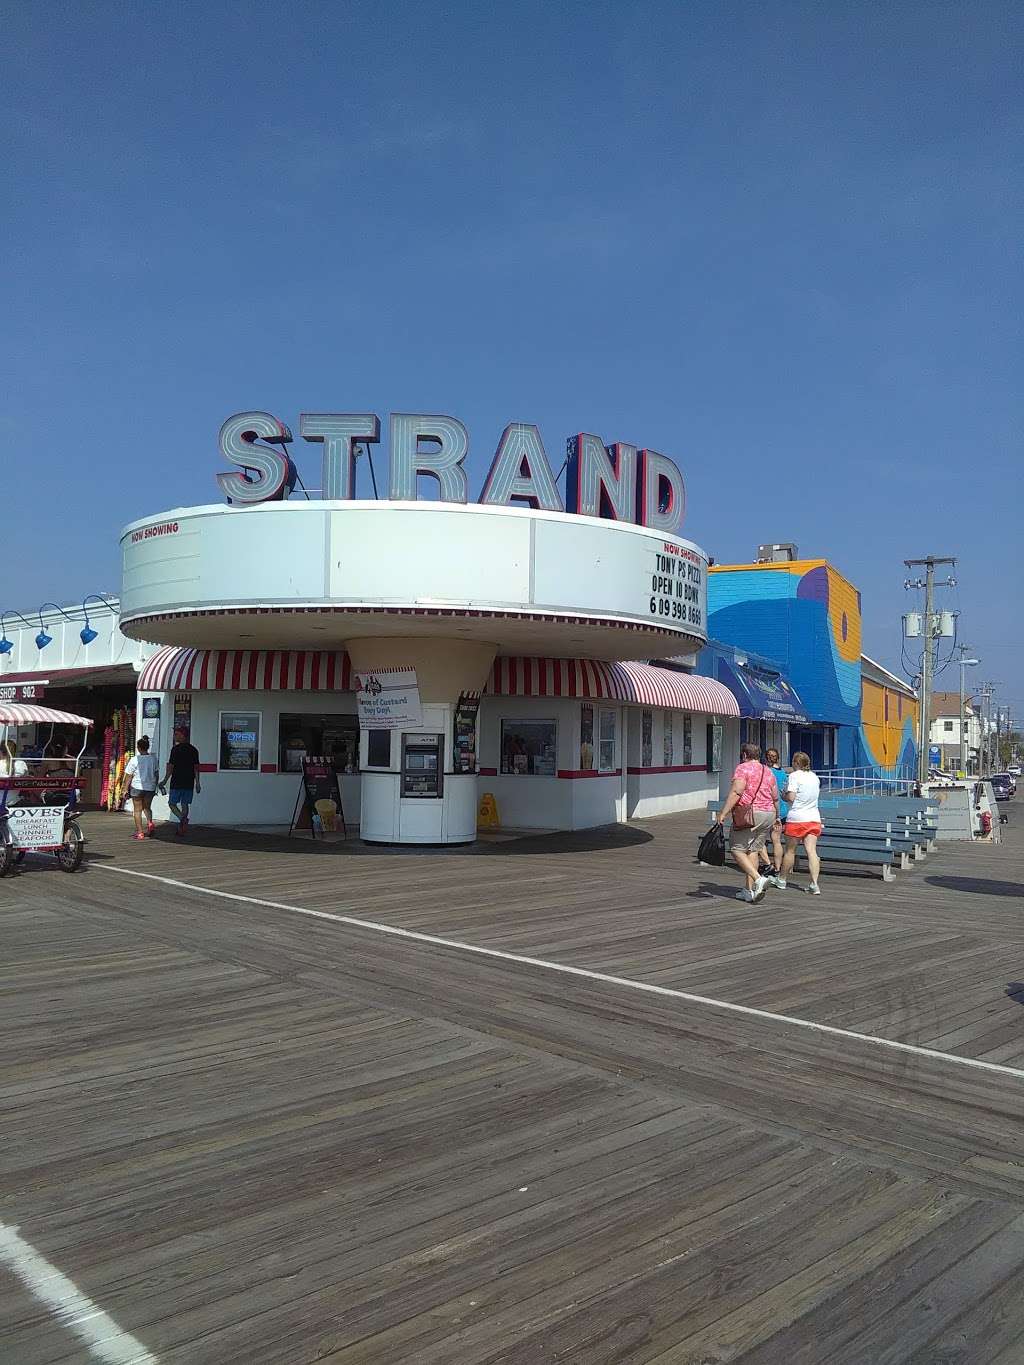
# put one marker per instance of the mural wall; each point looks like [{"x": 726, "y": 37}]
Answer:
[
  {"x": 806, "y": 616},
  {"x": 888, "y": 734}
]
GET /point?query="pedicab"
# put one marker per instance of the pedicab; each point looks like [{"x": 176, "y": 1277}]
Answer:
[{"x": 42, "y": 817}]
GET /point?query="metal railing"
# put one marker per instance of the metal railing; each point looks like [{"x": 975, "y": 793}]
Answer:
[{"x": 868, "y": 781}]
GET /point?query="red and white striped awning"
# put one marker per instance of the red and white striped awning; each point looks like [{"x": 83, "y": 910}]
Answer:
[
  {"x": 22, "y": 713},
  {"x": 246, "y": 670},
  {"x": 634, "y": 683}
]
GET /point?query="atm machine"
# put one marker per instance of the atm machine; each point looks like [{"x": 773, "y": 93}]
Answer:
[{"x": 422, "y": 766}]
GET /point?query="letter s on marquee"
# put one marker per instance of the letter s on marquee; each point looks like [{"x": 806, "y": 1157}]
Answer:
[{"x": 273, "y": 471}]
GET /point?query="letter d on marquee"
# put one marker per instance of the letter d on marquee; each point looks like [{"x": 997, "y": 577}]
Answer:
[{"x": 660, "y": 492}]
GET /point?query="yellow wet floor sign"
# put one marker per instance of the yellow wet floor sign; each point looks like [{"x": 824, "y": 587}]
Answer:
[{"x": 487, "y": 815}]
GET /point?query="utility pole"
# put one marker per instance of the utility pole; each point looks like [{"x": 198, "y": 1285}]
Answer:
[
  {"x": 931, "y": 633},
  {"x": 963, "y": 663},
  {"x": 987, "y": 760}
]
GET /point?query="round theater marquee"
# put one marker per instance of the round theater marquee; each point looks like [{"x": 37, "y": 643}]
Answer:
[{"x": 307, "y": 574}]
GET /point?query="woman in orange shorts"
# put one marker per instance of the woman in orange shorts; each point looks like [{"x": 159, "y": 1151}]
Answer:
[{"x": 803, "y": 823}]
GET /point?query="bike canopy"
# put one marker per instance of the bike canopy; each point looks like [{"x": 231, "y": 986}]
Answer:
[{"x": 22, "y": 713}]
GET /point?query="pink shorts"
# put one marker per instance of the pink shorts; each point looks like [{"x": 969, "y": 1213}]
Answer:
[{"x": 799, "y": 829}]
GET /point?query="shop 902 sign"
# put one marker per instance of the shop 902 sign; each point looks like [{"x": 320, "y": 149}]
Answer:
[
  {"x": 21, "y": 691},
  {"x": 677, "y": 586}
]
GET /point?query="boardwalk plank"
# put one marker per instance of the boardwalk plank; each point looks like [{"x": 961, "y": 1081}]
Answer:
[{"x": 256, "y": 1137}]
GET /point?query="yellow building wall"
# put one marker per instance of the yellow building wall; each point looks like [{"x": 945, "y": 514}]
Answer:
[{"x": 886, "y": 737}]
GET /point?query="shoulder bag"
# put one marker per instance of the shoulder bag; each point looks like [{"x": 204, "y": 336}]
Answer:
[{"x": 743, "y": 815}]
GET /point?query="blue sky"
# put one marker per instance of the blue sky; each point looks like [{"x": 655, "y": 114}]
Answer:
[{"x": 779, "y": 243}]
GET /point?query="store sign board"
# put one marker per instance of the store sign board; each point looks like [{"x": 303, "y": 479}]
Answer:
[
  {"x": 388, "y": 699},
  {"x": 616, "y": 482},
  {"x": 36, "y": 826},
  {"x": 22, "y": 691}
]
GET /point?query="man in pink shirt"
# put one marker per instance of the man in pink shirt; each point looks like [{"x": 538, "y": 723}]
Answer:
[{"x": 753, "y": 785}]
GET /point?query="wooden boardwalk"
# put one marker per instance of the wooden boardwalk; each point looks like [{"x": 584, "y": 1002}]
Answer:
[{"x": 249, "y": 1135}]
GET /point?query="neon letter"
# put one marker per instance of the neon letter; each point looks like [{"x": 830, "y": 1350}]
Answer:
[
  {"x": 444, "y": 462},
  {"x": 520, "y": 470},
  {"x": 600, "y": 482},
  {"x": 272, "y": 472},
  {"x": 660, "y": 493},
  {"x": 340, "y": 432}
]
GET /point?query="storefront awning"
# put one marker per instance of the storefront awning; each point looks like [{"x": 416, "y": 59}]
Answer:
[
  {"x": 635, "y": 683},
  {"x": 763, "y": 694},
  {"x": 246, "y": 670},
  {"x": 101, "y": 675}
]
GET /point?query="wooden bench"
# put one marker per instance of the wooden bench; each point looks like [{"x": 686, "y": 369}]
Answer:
[
  {"x": 917, "y": 843},
  {"x": 885, "y": 861}
]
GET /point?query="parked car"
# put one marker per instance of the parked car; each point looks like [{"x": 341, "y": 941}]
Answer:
[
  {"x": 1009, "y": 777},
  {"x": 1001, "y": 786}
]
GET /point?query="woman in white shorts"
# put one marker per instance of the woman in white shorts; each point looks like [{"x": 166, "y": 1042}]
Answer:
[{"x": 142, "y": 772}]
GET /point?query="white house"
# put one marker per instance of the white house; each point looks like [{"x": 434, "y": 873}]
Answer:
[{"x": 946, "y": 723}]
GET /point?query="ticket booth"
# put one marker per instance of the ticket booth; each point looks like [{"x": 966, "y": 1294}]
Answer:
[{"x": 419, "y": 798}]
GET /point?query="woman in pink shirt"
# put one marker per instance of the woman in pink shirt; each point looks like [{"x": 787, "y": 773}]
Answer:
[{"x": 753, "y": 785}]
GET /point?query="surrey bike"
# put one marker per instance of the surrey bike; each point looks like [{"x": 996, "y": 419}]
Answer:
[{"x": 44, "y": 816}]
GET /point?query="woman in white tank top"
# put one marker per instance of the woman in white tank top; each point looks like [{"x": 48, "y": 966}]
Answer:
[
  {"x": 803, "y": 823},
  {"x": 143, "y": 772}
]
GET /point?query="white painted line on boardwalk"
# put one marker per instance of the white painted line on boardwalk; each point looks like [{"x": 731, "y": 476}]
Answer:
[
  {"x": 100, "y": 1333},
  {"x": 566, "y": 970}
]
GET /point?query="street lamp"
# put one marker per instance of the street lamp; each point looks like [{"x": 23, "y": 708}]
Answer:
[
  {"x": 964, "y": 663},
  {"x": 87, "y": 634},
  {"x": 7, "y": 645},
  {"x": 44, "y": 638}
]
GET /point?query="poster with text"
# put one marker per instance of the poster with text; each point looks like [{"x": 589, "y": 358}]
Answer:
[
  {"x": 36, "y": 826},
  {"x": 586, "y": 737},
  {"x": 388, "y": 699}
]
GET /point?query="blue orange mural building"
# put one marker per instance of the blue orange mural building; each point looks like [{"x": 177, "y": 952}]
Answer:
[{"x": 806, "y": 616}]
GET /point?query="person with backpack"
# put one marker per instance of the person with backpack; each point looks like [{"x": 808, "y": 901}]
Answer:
[{"x": 753, "y": 803}]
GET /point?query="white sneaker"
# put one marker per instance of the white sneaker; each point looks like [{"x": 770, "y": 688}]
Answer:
[
  {"x": 779, "y": 882},
  {"x": 744, "y": 895},
  {"x": 759, "y": 888},
  {"x": 813, "y": 889}
]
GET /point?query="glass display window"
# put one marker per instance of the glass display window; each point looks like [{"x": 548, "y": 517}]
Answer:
[
  {"x": 378, "y": 749},
  {"x": 240, "y": 741},
  {"x": 529, "y": 748},
  {"x": 586, "y": 738},
  {"x": 606, "y": 726},
  {"x": 713, "y": 762},
  {"x": 334, "y": 737}
]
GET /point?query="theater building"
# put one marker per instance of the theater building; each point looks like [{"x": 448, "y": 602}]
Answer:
[{"x": 434, "y": 650}]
